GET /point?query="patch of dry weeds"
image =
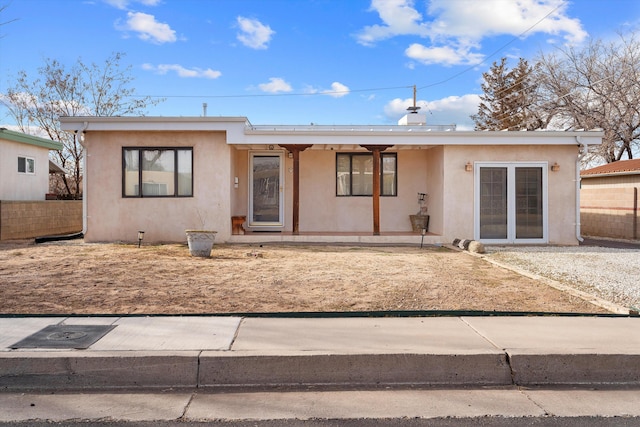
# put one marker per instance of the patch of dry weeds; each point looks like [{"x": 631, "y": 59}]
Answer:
[{"x": 75, "y": 277}]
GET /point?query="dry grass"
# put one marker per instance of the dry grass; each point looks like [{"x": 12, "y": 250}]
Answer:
[{"x": 74, "y": 277}]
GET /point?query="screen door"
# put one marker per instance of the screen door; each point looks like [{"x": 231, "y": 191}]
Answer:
[{"x": 266, "y": 201}]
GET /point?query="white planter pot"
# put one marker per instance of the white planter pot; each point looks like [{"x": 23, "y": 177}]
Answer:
[{"x": 200, "y": 242}]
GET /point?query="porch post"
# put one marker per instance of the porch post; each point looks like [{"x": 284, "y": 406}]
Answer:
[
  {"x": 295, "y": 150},
  {"x": 375, "y": 150}
]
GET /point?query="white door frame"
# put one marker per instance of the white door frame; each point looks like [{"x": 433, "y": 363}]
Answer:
[
  {"x": 511, "y": 201},
  {"x": 266, "y": 225}
]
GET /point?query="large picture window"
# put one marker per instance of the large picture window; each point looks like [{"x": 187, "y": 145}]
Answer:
[
  {"x": 157, "y": 172},
  {"x": 354, "y": 174}
]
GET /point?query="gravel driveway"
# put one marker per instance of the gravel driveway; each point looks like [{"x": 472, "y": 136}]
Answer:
[{"x": 612, "y": 274}]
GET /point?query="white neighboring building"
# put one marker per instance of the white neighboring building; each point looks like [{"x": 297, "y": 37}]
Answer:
[{"x": 24, "y": 165}]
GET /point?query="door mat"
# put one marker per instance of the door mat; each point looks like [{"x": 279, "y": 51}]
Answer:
[{"x": 78, "y": 337}]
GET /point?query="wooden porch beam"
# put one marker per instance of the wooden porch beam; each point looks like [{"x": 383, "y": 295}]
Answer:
[
  {"x": 295, "y": 150},
  {"x": 375, "y": 150}
]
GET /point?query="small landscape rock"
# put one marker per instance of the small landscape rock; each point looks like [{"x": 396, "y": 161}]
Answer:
[
  {"x": 464, "y": 244},
  {"x": 476, "y": 247}
]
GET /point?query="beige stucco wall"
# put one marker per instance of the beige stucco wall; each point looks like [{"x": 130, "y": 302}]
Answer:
[
  {"x": 111, "y": 217},
  {"x": 438, "y": 171},
  {"x": 435, "y": 189},
  {"x": 459, "y": 187},
  {"x": 322, "y": 210},
  {"x": 20, "y": 186}
]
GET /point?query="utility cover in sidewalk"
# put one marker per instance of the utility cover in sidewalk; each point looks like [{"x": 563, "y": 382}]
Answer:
[{"x": 65, "y": 336}]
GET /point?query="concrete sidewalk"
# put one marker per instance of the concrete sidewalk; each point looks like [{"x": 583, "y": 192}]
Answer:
[{"x": 198, "y": 367}]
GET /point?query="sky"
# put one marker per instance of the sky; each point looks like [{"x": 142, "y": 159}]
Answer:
[{"x": 327, "y": 62}]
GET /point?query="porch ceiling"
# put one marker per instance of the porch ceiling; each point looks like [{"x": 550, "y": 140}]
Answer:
[
  {"x": 330, "y": 147},
  {"x": 412, "y": 138}
]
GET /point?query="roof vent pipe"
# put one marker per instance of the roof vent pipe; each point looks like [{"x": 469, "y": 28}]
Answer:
[
  {"x": 204, "y": 109},
  {"x": 413, "y": 118}
]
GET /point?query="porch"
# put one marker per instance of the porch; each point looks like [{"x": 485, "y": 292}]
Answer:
[{"x": 354, "y": 238}]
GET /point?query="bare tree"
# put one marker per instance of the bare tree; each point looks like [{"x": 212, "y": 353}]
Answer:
[
  {"x": 2, "y": 9},
  {"x": 597, "y": 86},
  {"x": 81, "y": 90}
]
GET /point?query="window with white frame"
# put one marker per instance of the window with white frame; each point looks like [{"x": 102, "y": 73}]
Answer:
[
  {"x": 157, "y": 172},
  {"x": 354, "y": 174},
  {"x": 26, "y": 165}
]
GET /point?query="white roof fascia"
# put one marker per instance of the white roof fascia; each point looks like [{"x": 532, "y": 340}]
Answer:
[
  {"x": 234, "y": 126},
  {"x": 419, "y": 138},
  {"x": 241, "y": 132},
  {"x": 56, "y": 167}
]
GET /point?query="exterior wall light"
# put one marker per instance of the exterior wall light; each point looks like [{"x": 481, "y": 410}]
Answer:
[
  {"x": 140, "y": 237},
  {"x": 555, "y": 167},
  {"x": 468, "y": 167}
]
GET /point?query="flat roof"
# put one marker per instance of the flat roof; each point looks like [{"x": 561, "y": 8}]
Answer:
[{"x": 240, "y": 131}]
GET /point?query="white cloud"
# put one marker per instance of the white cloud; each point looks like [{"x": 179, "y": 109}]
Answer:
[
  {"x": 253, "y": 33},
  {"x": 456, "y": 27},
  {"x": 148, "y": 28},
  {"x": 124, "y": 4},
  {"x": 450, "y": 110},
  {"x": 445, "y": 55},
  {"x": 478, "y": 19},
  {"x": 399, "y": 18},
  {"x": 120, "y": 4},
  {"x": 182, "y": 71},
  {"x": 275, "y": 85},
  {"x": 338, "y": 90}
]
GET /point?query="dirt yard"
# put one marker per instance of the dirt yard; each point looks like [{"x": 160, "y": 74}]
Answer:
[{"x": 74, "y": 277}]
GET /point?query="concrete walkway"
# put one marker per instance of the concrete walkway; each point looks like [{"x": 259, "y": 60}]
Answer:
[
  {"x": 609, "y": 243},
  {"x": 232, "y": 368}
]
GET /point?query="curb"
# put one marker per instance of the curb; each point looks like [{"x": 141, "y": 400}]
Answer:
[{"x": 208, "y": 369}]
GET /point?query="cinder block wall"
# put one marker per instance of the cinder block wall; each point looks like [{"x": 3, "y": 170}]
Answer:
[
  {"x": 609, "y": 212},
  {"x": 27, "y": 219}
]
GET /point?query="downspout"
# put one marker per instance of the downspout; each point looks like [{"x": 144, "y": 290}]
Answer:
[
  {"x": 79, "y": 136},
  {"x": 581, "y": 153}
]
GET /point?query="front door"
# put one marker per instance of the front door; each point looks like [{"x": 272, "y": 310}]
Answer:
[
  {"x": 511, "y": 203},
  {"x": 266, "y": 195}
]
